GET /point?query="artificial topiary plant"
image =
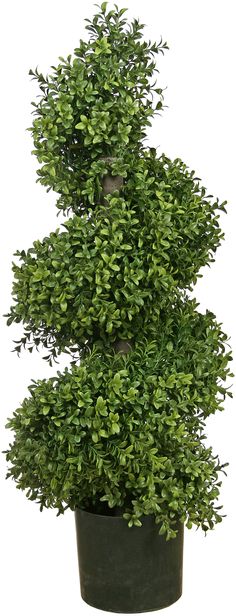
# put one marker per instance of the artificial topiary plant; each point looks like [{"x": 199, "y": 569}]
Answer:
[{"x": 126, "y": 425}]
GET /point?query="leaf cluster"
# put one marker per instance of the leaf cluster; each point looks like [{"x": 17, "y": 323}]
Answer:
[
  {"x": 128, "y": 429},
  {"x": 111, "y": 270},
  {"x": 95, "y": 102}
]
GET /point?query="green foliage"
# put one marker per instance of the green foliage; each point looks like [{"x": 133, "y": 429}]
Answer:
[
  {"x": 94, "y": 103},
  {"x": 119, "y": 263},
  {"x": 126, "y": 429}
]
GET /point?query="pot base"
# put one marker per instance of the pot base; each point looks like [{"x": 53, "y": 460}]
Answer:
[{"x": 152, "y": 609}]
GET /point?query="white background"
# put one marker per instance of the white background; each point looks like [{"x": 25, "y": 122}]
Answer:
[{"x": 38, "y": 551}]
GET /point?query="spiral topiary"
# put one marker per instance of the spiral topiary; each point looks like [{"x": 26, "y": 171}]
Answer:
[{"x": 125, "y": 426}]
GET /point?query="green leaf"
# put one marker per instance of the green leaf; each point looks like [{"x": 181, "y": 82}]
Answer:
[
  {"x": 105, "y": 257},
  {"x": 162, "y": 530},
  {"x": 103, "y": 433},
  {"x": 122, "y": 11},
  {"x": 115, "y": 428},
  {"x": 97, "y": 139},
  {"x": 45, "y": 410},
  {"x": 80, "y": 126},
  {"x": 104, "y": 6},
  {"x": 63, "y": 306}
]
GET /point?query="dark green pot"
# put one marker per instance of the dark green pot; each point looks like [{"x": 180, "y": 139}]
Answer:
[{"x": 126, "y": 569}]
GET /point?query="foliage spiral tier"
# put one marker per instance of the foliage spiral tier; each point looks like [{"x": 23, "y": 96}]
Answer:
[{"x": 121, "y": 426}]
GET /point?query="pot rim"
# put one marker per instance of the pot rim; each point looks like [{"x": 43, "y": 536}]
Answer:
[{"x": 99, "y": 515}]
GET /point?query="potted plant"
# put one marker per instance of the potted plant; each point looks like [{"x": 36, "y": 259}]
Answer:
[{"x": 119, "y": 437}]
